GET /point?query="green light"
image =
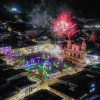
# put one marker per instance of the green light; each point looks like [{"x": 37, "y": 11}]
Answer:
[
  {"x": 47, "y": 68},
  {"x": 40, "y": 66},
  {"x": 22, "y": 60},
  {"x": 65, "y": 66},
  {"x": 27, "y": 53},
  {"x": 28, "y": 69},
  {"x": 44, "y": 73},
  {"x": 54, "y": 64},
  {"x": 94, "y": 64}
]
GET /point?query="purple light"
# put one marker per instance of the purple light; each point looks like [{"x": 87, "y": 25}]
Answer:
[
  {"x": 32, "y": 60},
  {"x": 58, "y": 63},
  {"x": 38, "y": 61}
]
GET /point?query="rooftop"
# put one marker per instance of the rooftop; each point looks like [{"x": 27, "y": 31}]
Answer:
[
  {"x": 11, "y": 72},
  {"x": 78, "y": 44},
  {"x": 94, "y": 52},
  {"x": 8, "y": 91},
  {"x": 43, "y": 95},
  {"x": 93, "y": 68},
  {"x": 28, "y": 43},
  {"x": 2, "y": 81},
  {"x": 78, "y": 79},
  {"x": 22, "y": 82},
  {"x": 65, "y": 90}
]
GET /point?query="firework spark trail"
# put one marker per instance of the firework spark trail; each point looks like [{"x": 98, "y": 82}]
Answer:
[{"x": 64, "y": 25}]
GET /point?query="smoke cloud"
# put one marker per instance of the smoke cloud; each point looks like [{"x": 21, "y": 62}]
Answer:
[{"x": 39, "y": 18}]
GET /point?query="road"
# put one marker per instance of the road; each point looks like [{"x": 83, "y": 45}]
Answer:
[{"x": 54, "y": 80}]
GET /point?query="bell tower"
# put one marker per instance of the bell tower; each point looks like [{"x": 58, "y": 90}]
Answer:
[
  {"x": 69, "y": 44},
  {"x": 83, "y": 47}
]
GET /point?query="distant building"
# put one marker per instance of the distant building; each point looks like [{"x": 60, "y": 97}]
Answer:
[
  {"x": 81, "y": 86},
  {"x": 31, "y": 33},
  {"x": 92, "y": 57},
  {"x": 92, "y": 37},
  {"x": 5, "y": 49},
  {"x": 43, "y": 95},
  {"x": 92, "y": 26}
]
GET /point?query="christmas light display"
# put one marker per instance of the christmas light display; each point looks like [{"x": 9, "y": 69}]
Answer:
[
  {"x": 65, "y": 66},
  {"x": 4, "y": 49},
  {"x": 30, "y": 61},
  {"x": 43, "y": 56},
  {"x": 64, "y": 25},
  {"x": 40, "y": 66}
]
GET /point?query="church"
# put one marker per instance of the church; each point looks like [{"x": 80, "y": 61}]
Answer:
[{"x": 75, "y": 52}]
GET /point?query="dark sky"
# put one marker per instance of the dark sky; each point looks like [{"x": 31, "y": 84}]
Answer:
[
  {"x": 82, "y": 8},
  {"x": 88, "y": 8}
]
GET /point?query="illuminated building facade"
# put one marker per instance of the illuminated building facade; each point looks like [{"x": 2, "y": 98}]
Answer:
[
  {"x": 18, "y": 89},
  {"x": 5, "y": 49},
  {"x": 92, "y": 57},
  {"x": 43, "y": 94},
  {"x": 16, "y": 85},
  {"x": 74, "y": 51}
]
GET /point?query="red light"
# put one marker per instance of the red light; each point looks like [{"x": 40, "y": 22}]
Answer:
[{"x": 15, "y": 65}]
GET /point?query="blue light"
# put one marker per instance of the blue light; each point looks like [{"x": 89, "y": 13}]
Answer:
[
  {"x": 14, "y": 9},
  {"x": 92, "y": 85},
  {"x": 58, "y": 63}
]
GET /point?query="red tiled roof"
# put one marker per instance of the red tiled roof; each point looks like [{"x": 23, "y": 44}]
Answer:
[{"x": 78, "y": 44}]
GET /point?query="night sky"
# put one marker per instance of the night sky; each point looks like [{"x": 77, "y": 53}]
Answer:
[{"x": 82, "y": 8}]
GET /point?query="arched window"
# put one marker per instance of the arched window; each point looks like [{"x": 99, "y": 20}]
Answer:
[
  {"x": 74, "y": 55},
  {"x": 74, "y": 49},
  {"x": 80, "y": 48},
  {"x": 78, "y": 55}
]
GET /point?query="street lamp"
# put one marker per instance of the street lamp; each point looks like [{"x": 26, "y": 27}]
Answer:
[
  {"x": 14, "y": 9},
  {"x": 92, "y": 85}
]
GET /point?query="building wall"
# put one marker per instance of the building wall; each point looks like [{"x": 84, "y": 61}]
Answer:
[
  {"x": 89, "y": 58},
  {"x": 75, "y": 51},
  {"x": 25, "y": 91},
  {"x": 58, "y": 93},
  {"x": 17, "y": 76},
  {"x": 65, "y": 97}
]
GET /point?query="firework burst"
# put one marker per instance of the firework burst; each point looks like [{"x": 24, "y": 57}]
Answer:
[{"x": 64, "y": 25}]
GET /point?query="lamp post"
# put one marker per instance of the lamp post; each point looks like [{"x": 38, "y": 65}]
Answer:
[{"x": 14, "y": 9}]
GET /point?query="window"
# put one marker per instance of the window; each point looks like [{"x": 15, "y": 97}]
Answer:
[
  {"x": 79, "y": 48},
  {"x": 74, "y": 48},
  {"x": 78, "y": 55},
  {"x": 74, "y": 55}
]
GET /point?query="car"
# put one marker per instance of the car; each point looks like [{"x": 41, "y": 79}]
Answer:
[{"x": 41, "y": 83}]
